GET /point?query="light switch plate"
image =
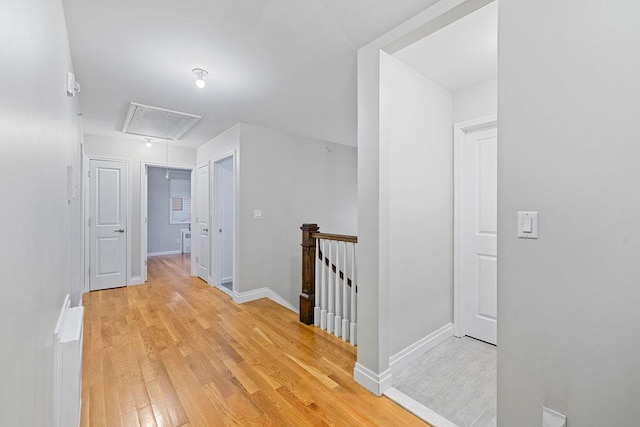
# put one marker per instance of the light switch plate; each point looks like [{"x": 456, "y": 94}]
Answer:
[
  {"x": 524, "y": 218},
  {"x": 551, "y": 418}
]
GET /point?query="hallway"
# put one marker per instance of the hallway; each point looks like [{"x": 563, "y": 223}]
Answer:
[{"x": 175, "y": 352}]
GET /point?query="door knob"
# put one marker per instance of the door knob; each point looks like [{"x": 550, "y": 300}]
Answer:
[{"x": 119, "y": 231}]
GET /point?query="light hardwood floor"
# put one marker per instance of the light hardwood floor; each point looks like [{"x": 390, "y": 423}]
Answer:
[{"x": 176, "y": 352}]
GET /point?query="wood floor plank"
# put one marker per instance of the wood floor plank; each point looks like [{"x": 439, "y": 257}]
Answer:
[
  {"x": 176, "y": 352},
  {"x": 110, "y": 386},
  {"x": 163, "y": 416},
  {"x": 93, "y": 405}
]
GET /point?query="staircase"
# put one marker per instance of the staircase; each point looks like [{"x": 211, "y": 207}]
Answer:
[{"x": 329, "y": 288}]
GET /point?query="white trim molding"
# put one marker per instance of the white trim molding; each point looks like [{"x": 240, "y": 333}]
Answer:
[
  {"x": 226, "y": 291},
  {"x": 418, "y": 409},
  {"x": 136, "y": 280},
  {"x": 176, "y": 252},
  {"x": 242, "y": 297},
  {"x": 86, "y": 230},
  {"x": 420, "y": 347},
  {"x": 375, "y": 383}
]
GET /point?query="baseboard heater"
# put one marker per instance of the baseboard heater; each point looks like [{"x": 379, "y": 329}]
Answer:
[{"x": 68, "y": 366}]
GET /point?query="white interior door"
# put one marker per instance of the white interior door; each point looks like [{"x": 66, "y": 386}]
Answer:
[
  {"x": 108, "y": 221},
  {"x": 479, "y": 233},
  {"x": 202, "y": 222},
  {"x": 224, "y": 205}
]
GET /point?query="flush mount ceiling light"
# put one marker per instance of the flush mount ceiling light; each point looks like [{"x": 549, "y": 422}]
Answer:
[
  {"x": 200, "y": 74},
  {"x": 148, "y": 143}
]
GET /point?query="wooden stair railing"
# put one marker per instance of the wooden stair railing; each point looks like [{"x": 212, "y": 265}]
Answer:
[
  {"x": 308, "y": 295},
  {"x": 335, "y": 308},
  {"x": 334, "y": 268}
]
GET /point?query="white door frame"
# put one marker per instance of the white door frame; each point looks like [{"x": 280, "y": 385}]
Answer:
[
  {"x": 215, "y": 258},
  {"x": 144, "y": 190},
  {"x": 459, "y": 133},
  {"x": 87, "y": 216}
]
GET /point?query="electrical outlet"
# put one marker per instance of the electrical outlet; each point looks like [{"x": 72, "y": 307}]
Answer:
[{"x": 257, "y": 214}]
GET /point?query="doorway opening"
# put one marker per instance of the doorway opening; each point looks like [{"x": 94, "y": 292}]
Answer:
[
  {"x": 454, "y": 69},
  {"x": 224, "y": 223},
  {"x": 166, "y": 211}
]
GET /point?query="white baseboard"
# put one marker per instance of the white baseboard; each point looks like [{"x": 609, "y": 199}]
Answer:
[
  {"x": 242, "y": 297},
  {"x": 227, "y": 291},
  {"x": 226, "y": 280},
  {"x": 420, "y": 347},
  {"x": 376, "y": 384},
  {"x": 177, "y": 252},
  {"x": 138, "y": 280}
]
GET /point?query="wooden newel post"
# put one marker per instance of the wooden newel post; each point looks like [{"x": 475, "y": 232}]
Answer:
[{"x": 308, "y": 295}]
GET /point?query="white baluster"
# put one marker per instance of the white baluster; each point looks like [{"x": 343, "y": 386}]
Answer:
[
  {"x": 354, "y": 302},
  {"x": 345, "y": 296},
  {"x": 338, "y": 295},
  {"x": 323, "y": 287},
  {"x": 316, "y": 284},
  {"x": 331, "y": 312}
]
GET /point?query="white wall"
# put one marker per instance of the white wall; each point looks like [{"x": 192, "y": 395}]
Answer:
[
  {"x": 137, "y": 153},
  {"x": 569, "y": 302},
  {"x": 220, "y": 146},
  {"x": 40, "y": 253},
  {"x": 477, "y": 101},
  {"x": 161, "y": 235},
  {"x": 293, "y": 180},
  {"x": 416, "y": 133},
  {"x": 372, "y": 369}
]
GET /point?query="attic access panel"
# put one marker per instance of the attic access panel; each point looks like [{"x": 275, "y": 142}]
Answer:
[{"x": 157, "y": 122}]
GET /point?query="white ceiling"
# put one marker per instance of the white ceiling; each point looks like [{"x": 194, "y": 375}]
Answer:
[
  {"x": 461, "y": 54},
  {"x": 287, "y": 64}
]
